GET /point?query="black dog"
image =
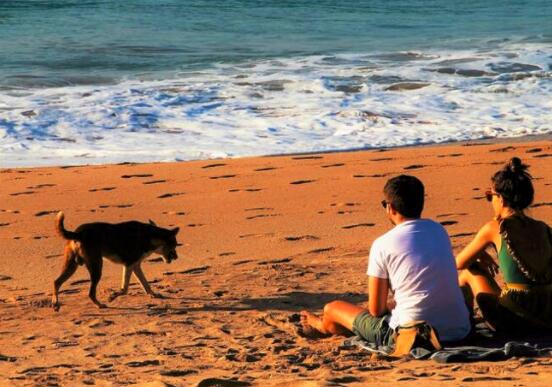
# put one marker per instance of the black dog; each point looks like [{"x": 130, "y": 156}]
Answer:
[{"x": 127, "y": 243}]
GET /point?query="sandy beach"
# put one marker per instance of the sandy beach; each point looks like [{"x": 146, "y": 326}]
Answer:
[{"x": 262, "y": 238}]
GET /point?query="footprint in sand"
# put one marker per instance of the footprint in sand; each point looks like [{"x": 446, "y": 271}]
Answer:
[
  {"x": 10, "y": 211},
  {"x": 451, "y": 155},
  {"x": 195, "y": 270},
  {"x": 177, "y": 373},
  {"x": 79, "y": 282},
  {"x": 534, "y": 150},
  {"x": 543, "y": 155},
  {"x": 321, "y": 250},
  {"x": 5, "y": 277},
  {"x": 222, "y": 177},
  {"x": 213, "y": 165},
  {"x": 246, "y": 190},
  {"x": 448, "y": 222},
  {"x": 265, "y": 169},
  {"x": 349, "y": 226},
  {"x": 48, "y": 212},
  {"x": 297, "y": 182},
  {"x": 4, "y": 224},
  {"x": 268, "y": 234},
  {"x": 115, "y": 205},
  {"x": 542, "y": 204},
  {"x": 41, "y": 186},
  {"x": 333, "y": 165},
  {"x": 462, "y": 234},
  {"x": 346, "y": 212},
  {"x": 452, "y": 214},
  {"x": 170, "y": 195},
  {"x": 102, "y": 189},
  {"x": 382, "y": 159},
  {"x": 374, "y": 175},
  {"x": 262, "y": 216},
  {"x": 100, "y": 323},
  {"x": 345, "y": 380},
  {"x": 414, "y": 166},
  {"x": 348, "y": 204},
  {"x": 274, "y": 261},
  {"x": 22, "y": 193},
  {"x": 136, "y": 175},
  {"x": 301, "y": 238},
  {"x": 179, "y": 213},
  {"x": 154, "y": 181},
  {"x": 314, "y": 157},
  {"x": 143, "y": 363},
  {"x": 53, "y": 256},
  {"x": 10, "y": 359},
  {"x": 504, "y": 149},
  {"x": 243, "y": 262},
  {"x": 227, "y": 254},
  {"x": 259, "y": 209},
  {"x": 215, "y": 382}
]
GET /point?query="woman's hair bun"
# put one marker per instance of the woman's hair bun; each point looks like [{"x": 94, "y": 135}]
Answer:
[{"x": 516, "y": 166}]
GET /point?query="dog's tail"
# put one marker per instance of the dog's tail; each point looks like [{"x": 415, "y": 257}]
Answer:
[{"x": 65, "y": 234}]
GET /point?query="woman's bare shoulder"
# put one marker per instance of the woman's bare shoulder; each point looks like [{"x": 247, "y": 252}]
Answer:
[{"x": 490, "y": 229}]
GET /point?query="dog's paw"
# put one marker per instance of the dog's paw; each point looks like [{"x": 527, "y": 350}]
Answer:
[
  {"x": 56, "y": 306},
  {"x": 101, "y": 306},
  {"x": 114, "y": 295}
]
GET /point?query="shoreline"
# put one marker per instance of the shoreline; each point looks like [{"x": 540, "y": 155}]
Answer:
[{"x": 473, "y": 142}]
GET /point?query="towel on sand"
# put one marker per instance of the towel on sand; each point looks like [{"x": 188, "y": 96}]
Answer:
[{"x": 482, "y": 345}]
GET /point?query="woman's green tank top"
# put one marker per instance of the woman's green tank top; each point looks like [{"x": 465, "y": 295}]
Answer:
[{"x": 509, "y": 268}]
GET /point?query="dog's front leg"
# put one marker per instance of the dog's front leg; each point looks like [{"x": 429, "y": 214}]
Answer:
[
  {"x": 127, "y": 272},
  {"x": 144, "y": 282}
]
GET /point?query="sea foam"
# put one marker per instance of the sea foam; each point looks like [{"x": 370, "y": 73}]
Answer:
[{"x": 288, "y": 105}]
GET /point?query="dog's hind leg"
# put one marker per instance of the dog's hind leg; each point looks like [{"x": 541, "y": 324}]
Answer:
[
  {"x": 127, "y": 272},
  {"x": 69, "y": 267},
  {"x": 144, "y": 282},
  {"x": 94, "y": 265}
]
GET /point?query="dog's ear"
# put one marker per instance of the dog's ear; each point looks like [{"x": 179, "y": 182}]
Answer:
[
  {"x": 152, "y": 223},
  {"x": 175, "y": 230}
]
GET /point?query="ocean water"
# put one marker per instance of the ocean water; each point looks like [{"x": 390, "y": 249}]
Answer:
[{"x": 85, "y": 81}]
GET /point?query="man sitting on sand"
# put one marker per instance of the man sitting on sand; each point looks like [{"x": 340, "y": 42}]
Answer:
[{"x": 414, "y": 260}]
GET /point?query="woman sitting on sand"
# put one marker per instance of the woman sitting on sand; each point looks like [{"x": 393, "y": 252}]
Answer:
[{"x": 524, "y": 249}]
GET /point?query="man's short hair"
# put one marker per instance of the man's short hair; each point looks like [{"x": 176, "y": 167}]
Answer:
[{"x": 406, "y": 194}]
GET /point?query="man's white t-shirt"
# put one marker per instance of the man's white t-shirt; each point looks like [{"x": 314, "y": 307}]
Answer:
[{"x": 416, "y": 257}]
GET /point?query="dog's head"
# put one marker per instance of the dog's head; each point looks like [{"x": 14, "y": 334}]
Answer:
[{"x": 167, "y": 244}]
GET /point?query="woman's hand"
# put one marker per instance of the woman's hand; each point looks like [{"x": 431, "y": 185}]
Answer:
[
  {"x": 476, "y": 247},
  {"x": 485, "y": 263}
]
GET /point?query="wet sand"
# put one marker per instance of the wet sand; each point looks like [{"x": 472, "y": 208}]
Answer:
[{"x": 262, "y": 238}]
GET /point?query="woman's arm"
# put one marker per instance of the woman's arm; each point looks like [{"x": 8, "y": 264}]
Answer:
[{"x": 485, "y": 236}]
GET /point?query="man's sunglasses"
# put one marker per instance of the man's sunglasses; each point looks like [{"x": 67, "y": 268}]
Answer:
[{"x": 489, "y": 195}]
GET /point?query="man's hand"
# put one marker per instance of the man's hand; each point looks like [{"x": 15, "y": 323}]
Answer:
[{"x": 391, "y": 304}]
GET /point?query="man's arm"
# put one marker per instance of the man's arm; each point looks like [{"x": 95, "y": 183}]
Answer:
[{"x": 378, "y": 289}]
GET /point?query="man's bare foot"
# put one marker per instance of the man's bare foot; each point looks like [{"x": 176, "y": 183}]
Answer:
[{"x": 311, "y": 326}]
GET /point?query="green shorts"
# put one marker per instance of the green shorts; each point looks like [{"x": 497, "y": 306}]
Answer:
[{"x": 373, "y": 329}]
